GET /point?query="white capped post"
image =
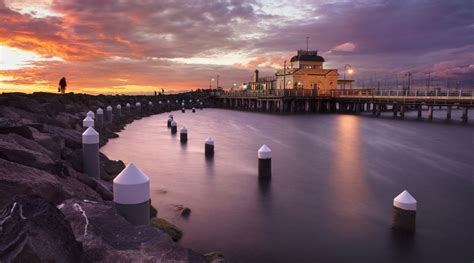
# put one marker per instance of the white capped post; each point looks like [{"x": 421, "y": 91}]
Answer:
[
  {"x": 404, "y": 212},
  {"x": 119, "y": 110},
  {"x": 132, "y": 195},
  {"x": 264, "y": 162},
  {"x": 200, "y": 103},
  {"x": 183, "y": 110},
  {"x": 90, "y": 153},
  {"x": 183, "y": 135},
  {"x": 128, "y": 107},
  {"x": 99, "y": 117},
  {"x": 174, "y": 127},
  {"x": 109, "y": 113},
  {"x": 88, "y": 122},
  {"x": 194, "y": 110},
  {"x": 91, "y": 114},
  {"x": 209, "y": 147},
  {"x": 138, "y": 107}
]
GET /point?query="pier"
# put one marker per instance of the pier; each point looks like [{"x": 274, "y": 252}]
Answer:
[{"x": 347, "y": 101}]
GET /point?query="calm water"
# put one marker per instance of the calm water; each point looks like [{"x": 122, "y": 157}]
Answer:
[{"x": 330, "y": 197}]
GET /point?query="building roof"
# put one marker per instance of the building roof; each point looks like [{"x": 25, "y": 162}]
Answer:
[
  {"x": 304, "y": 55},
  {"x": 307, "y": 71}
]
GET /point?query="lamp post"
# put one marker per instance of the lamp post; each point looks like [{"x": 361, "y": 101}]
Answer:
[
  {"x": 349, "y": 70},
  {"x": 284, "y": 76},
  {"x": 210, "y": 83}
]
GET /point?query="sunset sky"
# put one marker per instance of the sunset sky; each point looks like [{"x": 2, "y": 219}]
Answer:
[{"x": 118, "y": 46}]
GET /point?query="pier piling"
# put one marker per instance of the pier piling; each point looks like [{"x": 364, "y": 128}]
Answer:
[
  {"x": 264, "y": 162},
  {"x": 132, "y": 195},
  {"x": 119, "y": 110},
  {"x": 90, "y": 153},
  {"x": 209, "y": 147},
  {"x": 183, "y": 135},
  {"x": 109, "y": 114},
  {"x": 174, "y": 127},
  {"x": 91, "y": 114},
  {"x": 138, "y": 107},
  {"x": 404, "y": 212},
  {"x": 128, "y": 107},
  {"x": 88, "y": 122},
  {"x": 99, "y": 118}
]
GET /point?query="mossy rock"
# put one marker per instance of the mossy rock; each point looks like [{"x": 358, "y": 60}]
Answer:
[
  {"x": 211, "y": 256},
  {"x": 186, "y": 211},
  {"x": 173, "y": 231}
]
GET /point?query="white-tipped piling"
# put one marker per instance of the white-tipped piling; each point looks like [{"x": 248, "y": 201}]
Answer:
[
  {"x": 264, "y": 162},
  {"x": 138, "y": 107},
  {"x": 119, "y": 110},
  {"x": 194, "y": 110},
  {"x": 109, "y": 113},
  {"x": 183, "y": 110},
  {"x": 209, "y": 147},
  {"x": 168, "y": 123},
  {"x": 90, "y": 153},
  {"x": 88, "y": 122},
  {"x": 132, "y": 195},
  {"x": 200, "y": 104},
  {"x": 91, "y": 114},
  {"x": 99, "y": 119},
  {"x": 128, "y": 107},
  {"x": 404, "y": 212},
  {"x": 174, "y": 127},
  {"x": 183, "y": 134}
]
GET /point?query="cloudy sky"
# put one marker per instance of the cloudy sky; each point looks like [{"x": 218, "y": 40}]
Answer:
[{"x": 119, "y": 46}]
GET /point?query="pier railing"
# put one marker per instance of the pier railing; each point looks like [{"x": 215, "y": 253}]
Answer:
[
  {"x": 397, "y": 94},
  {"x": 272, "y": 93}
]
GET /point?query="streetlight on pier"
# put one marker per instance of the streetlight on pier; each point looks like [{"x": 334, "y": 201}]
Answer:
[
  {"x": 210, "y": 83},
  {"x": 349, "y": 70}
]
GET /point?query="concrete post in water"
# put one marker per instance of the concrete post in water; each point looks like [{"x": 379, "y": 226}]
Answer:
[
  {"x": 150, "y": 106},
  {"x": 91, "y": 114},
  {"x": 194, "y": 110},
  {"x": 170, "y": 115},
  {"x": 90, "y": 153},
  {"x": 88, "y": 122},
  {"x": 404, "y": 212},
  {"x": 183, "y": 135},
  {"x": 168, "y": 123},
  {"x": 448, "y": 113},
  {"x": 200, "y": 103},
  {"x": 99, "y": 117},
  {"x": 174, "y": 127},
  {"x": 109, "y": 114},
  {"x": 138, "y": 106},
  {"x": 128, "y": 107},
  {"x": 183, "y": 110},
  {"x": 119, "y": 110},
  {"x": 264, "y": 162},
  {"x": 430, "y": 112},
  {"x": 209, "y": 147},
  {"x": 132, "y": 195}
]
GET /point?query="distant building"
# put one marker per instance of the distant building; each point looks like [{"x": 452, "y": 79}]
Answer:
[{"x": 305, "y": 71}]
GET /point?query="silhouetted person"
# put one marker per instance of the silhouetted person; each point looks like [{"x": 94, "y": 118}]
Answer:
[
  {"x": 155, "y": 93},
  {"x": 62, "y": 85}
]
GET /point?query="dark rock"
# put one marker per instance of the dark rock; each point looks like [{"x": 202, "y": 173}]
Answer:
[
  {"x": 173, "y": 231},
  {"x": 153, "y": 211},
  {"x": 108, "y": 237},
  {"x": 186, "y": 212},
  {"x": 12, "y": 150},
  {"x": 96, "y": 186},
  {"x": 17, "y": 179},
  {"x": 214, "y": 256},
  {"x": 12, "y": 126},
  {"x": 34, "y": 230}
]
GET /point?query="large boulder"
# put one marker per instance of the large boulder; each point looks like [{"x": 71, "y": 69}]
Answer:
[
  {"x": 108, "y": 237},
  {"x": 34, "y": 230},
  {"x": 12, "y": 150},
  {"x": 17, "y": 179}
]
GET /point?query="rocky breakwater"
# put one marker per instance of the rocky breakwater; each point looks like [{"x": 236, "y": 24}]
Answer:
[{"x": 50, "y": 209}]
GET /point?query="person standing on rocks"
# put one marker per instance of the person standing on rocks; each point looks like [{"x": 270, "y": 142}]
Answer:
[{"x": 62, "y": 85}]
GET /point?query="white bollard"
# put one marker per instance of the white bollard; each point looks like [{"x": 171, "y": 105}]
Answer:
[
  {"x": 170, "y": 115},
  {"x": 138, "y": 107},
  {"x": 159, "y": 102},
  {"x": 109, "y": 113},
  {"x": 194, "y": 110},
  {"x": 174, "y": 127},
  {"x": 200, "y": 103},
  {"x": 168, "y": 124},
  {"x": 183, "y": 134},
  {"x": 128, "y": 107},
  {"x": 183, "y": 110},
  {"x": 90, "y": 153},
  {"x": 177, "y": 101},
  {"x": 404, "y": 212},
  {"x": 91, "y": 114},
  {"x": 119, "y": 110},
  {"x": 88, "y": 122},
  {"x": 132, "y": 195},
  {"x": 99, "y": 118},
  {"x": 264, "y": 162},
  {"x": 209, "y": 147}
]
